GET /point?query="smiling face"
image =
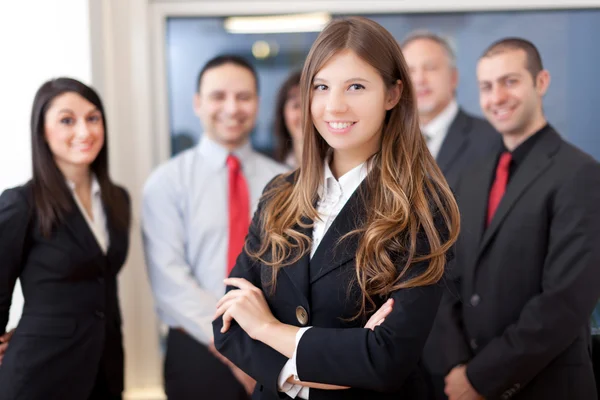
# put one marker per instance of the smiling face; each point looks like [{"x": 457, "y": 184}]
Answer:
[
  {"x": 349, "y": 101},
  {"x": 227, "y": 104},
  {"x": 74, "y": 131},
  {"x": 509, "y": 96}
]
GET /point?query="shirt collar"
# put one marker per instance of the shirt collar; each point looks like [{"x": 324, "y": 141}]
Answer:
[
  {"x": 439, "y": 125},
  {"x": 520, "y": 152},
  {"x": 347, "y": 182},
  {"x": 216, "y": 154},
  {"x": 95, "y": 186}
]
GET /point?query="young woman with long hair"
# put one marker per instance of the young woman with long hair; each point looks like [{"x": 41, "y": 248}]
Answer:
[{"x": 366, "y": 223}]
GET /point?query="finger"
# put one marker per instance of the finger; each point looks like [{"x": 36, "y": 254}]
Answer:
[
  {"x": 226, "y": 321},
  {"x": 239, "y": 283},
  {"x": 230, "y": 295},
  {"x": 381, "y": 313},
  {"x": 223, "y": 308}
]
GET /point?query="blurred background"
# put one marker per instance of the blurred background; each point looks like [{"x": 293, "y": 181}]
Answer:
[{"x": 567, "y": 40}]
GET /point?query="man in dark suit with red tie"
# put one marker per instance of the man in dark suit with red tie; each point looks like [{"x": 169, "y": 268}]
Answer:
[{"x": 529, "y": 252}]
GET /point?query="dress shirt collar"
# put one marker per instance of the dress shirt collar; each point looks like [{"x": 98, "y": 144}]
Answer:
[
  {"x": 95, "y": 186},
  {"x": 216, "y": 155},
  {"x": 519, "y": 153},
  {"x": 347, "y": 182},
  {"x": 438, "y": 127}
]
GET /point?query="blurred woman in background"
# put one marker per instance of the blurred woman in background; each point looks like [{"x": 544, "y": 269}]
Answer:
[{"x": 288, "y": 122}]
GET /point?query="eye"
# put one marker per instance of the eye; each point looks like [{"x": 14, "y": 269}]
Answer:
[
  {"x": 67, "y": 121},
  {"x": 94, "y": 119},
  {"x": 217, "y": 96},
  {"x": 245, "y": 97},
  {"x": 320, "y": 87},
  {"x": 511, "y": 82},
  {"x": 356, "y": 86}
]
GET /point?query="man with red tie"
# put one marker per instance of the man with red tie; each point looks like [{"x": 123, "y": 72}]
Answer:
[
  {"x": 528, "y": 256},
  {"x": 196, "y": 213}
]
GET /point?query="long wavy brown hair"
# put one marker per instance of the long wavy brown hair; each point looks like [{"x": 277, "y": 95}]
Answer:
[{"x": 405, "y": 189}]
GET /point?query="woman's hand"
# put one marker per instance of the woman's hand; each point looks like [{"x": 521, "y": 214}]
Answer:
[
  {"x": 247, "y": 306},
  {"x": 379, "y": 316},
  {"x": 4, "y": 339}
]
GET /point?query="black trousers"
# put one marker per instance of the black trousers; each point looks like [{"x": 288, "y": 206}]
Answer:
[
  {"x": 191, "y": 372},
  {"x": 101, "y": 390}
]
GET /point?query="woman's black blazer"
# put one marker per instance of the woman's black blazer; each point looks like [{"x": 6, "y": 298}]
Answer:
[
  {"x": 321, "y": 292},
  {"x": 70, "y": 330}
]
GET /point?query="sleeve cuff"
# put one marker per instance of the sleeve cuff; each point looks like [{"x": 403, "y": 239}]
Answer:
[{"x": 290, "y": 369}]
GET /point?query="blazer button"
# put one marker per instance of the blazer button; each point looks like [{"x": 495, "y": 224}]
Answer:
[
  {"x": 473, "y": 344},
  {"x": 301, "y": 315},
  {"x": 99, "y": 314},
  {"x": 475, "y": 299}
]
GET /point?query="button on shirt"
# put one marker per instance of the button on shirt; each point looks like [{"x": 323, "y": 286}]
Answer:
[
  {"x": 97, "y": 223},
  {"x": 185, "y": 229},
  {"x": 333, "y": 196},
  {"x": 437, "y": 129}
]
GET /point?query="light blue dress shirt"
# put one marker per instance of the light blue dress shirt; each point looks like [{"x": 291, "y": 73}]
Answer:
[{"x": 185, "y": 230}]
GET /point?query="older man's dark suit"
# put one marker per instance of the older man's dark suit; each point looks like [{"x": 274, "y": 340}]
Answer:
[
  {"x": 530, "y": 280},
  {"x": 469, "y": 139}
]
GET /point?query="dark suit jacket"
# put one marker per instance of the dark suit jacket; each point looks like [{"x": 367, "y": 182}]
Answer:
[
  {"x": 469, "y": 140},
  {"x": 530, "y": 281},
  {"x": 70, "y": 330},
  {"x": 379, "y": 364}
]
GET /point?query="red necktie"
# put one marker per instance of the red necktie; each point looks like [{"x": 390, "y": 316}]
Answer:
[
  {"x": 239, "y": 211},
  {"x": 499, "y": 186}
]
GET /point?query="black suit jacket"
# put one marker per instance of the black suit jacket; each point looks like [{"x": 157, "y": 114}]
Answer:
[
  {"x": 70, "y": 329},
  {"x": 530, "y": 280},
  {"x": 379, "y": 364},
  {"x": 469, "y": 140}
]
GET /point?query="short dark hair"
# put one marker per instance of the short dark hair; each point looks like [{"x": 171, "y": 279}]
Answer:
[
  {"x": 533, "y": 59},
  {"x": 227, "y": 59},
  {"x": 52, "y": 197},
  {"x": 283, "y": 137},
  {"x": 427, "y": 35}
]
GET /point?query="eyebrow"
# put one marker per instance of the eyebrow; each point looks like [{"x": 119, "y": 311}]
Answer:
[
  {"x": 69, "y": 111},
  {"x": 346, "y": 81},
  {"x": 509, "y": 75}
]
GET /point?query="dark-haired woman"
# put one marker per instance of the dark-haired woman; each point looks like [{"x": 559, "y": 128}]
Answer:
[
  {"x": 288, "y": 122},
  {"x": 64, "y": 234},
  {"x": 368, "y": 219}
]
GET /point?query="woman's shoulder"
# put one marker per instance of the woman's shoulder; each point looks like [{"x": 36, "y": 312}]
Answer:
[{"x": 17, "y": 200}]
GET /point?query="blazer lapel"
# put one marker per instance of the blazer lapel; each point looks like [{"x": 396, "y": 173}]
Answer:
[
  {"x": 455, "y": 141},
  {"x": 332, "y": 253},
  {"x": 77, "y": 225},
  {"x": 298, "y": 272},
  {"x": 535, "y": 163}
]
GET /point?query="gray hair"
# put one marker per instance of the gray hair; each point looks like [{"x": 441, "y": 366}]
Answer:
[{"x": 428, "y": 35}]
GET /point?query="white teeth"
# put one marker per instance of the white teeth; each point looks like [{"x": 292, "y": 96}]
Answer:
[
  {"x": 503, "y": 111},
  {"x": 340, "y": 125}
]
